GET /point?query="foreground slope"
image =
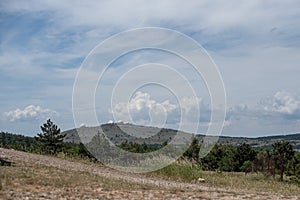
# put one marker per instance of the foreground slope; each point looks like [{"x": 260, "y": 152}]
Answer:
[{"x": 43, "y": 177}]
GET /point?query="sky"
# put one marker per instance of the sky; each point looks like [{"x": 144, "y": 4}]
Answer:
[{"x": 255, "y": 45}]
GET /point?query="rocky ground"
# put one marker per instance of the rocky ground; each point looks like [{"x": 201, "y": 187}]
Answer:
[{"x": 43, "y": 177}]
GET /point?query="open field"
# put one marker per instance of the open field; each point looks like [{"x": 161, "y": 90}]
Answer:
[{"x": 42, "y": 177}]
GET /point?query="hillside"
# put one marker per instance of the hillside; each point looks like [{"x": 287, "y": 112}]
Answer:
[
  {"x": 36, "y": 176},
  {"x": 117, "y": 133}
]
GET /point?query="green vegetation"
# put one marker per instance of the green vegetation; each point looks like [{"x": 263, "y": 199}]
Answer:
[
  {"x": 256, "y": 183},
  {"x": 283, "y": 152},
  {"x": 118, "y": 133},
  {"x": 183, "y": 171},
  {"x": 279, "y": 160},
  {"x": 18, "y": 142},
  {"x": 229, "y": 158},
  {"x": 51, "y": 139},
  {"x": 139, "y": 148},
  {"x": 293, "y": 168}
]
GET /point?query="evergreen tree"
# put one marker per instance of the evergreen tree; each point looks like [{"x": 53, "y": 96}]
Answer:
[
  {"x": 213, "y": 159},
  {"x": 283, "y": 152},
  {"x": 293, "y": 168},
  {"x": 192, "y": 153},
  {"x": 244, "y": 152},
  {"x": 51, "y": 139},
  {"x": 228, "y": 162}
]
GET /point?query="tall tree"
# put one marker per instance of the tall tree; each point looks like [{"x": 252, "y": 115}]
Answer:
[
  {"x": 293, "y": 167},
  {"x": 228, "y": 162},
  {"x": 283, "y": 152},
  {"x": 192, "y": 153},
  {"x": 244, "y": 152},
  {"x": 51, "y": 139},
  {"x": 265, "y": 162},
  {"x": 213, "y": 159}
]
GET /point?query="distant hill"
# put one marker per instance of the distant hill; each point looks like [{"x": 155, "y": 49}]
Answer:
[
  {"x": 265, "y": 142},
  {"x": 117, "y": 133},
  {"x": 20, "y": 142}
]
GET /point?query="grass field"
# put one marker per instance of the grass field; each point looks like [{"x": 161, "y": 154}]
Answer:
[
  {"x": 47, "y": 181},
  {"x": 231, "y": 180}
]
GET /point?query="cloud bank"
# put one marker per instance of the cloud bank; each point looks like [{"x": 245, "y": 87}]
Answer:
[{"x": 28, "y": 113}]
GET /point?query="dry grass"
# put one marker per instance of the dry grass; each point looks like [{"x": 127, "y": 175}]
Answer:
[
  {"x": 234, "y": 181},
  {"x": 32, "y": 181},
  {"x": 38, "y": 179},
  {"x": 251, "y": 182}
]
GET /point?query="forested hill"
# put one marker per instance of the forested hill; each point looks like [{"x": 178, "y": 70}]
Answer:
[
  {"x": 20, "y": 142},
  {"x": 150, "y": 135},
  {"x": 117, "y": 133}
]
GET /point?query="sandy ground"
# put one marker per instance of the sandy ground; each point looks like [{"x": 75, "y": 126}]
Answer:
[{"x": 162, "y": 188}]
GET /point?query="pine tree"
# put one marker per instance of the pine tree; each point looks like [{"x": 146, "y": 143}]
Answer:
[
  {"x": 51, "y": 139},
  {"x": 283, "y": 151}
]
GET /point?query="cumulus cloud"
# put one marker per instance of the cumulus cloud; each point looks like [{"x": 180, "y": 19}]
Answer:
[
  {"x": 286, "y": 104},
  {"x": 142, "y": 109},
  {"x": 29, "y": 112},
  {"x": 281, "y": 106},
  {"x": 277, "y": 114}
]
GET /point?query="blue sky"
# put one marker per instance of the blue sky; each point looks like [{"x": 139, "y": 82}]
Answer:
[{"x": 255, "y": 44}]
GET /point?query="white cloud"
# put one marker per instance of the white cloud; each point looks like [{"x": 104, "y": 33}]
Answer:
[
  {"x": 143, "y": 109},
  {"x": 29, "y": 112},
  {"x": 206, "y": 15},
  {"x": 282, "y": 107},
  {"x": 286, "y": 104}
]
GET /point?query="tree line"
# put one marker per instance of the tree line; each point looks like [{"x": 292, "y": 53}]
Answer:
[
  {"x": 49, "y": 141},
  {"x": 281, "y": 159}
]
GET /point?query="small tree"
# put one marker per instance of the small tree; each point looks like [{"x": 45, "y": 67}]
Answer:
[
  {"x": 246, "y": 167},
  {"x": 51, "y": 139}
]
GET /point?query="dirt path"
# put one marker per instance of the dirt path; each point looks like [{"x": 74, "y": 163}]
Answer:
[{"x": 185, "y": 190}]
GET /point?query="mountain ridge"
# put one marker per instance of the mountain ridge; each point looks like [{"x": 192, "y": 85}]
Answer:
[{"x": 117, "y": 133}]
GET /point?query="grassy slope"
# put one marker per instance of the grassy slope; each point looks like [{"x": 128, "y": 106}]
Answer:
[
  {"x": 36, "y": 176},
  {"x": 230, "y": 180}
]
